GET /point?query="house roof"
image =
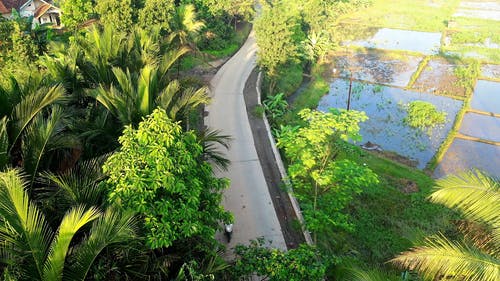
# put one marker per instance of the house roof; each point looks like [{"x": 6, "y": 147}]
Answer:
[
  {"x": 42, "y": 9},
  {"x": 6, "y": 6},
  {"x": 3, "y": 9}
]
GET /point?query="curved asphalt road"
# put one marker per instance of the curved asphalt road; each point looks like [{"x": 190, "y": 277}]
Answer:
[{"x": 248, "y": 196}]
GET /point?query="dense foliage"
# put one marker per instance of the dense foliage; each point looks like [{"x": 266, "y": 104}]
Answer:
[
  {"x": 303, "y": 263},
  {"x": 65, "y": 98},
  {"x": 323, "y": 185},
  {"x": 158, "y": 174}
]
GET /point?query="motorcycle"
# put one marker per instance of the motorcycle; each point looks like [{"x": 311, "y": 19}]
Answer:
[{"x": 228, "y": 231}]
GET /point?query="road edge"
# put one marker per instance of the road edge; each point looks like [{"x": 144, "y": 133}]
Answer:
[{"x": 281, "y": 166}]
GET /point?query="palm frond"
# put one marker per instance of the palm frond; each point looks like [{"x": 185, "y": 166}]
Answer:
[
  {"x": 168, "y": 60},
  {"x": 80, "y": 184},
  {"x": 44, "y": 135},
  {"x": 28, "y": 230},
  {"x": 147, "y": 89},
  {"x": 181, "y": 102},
  {"x": 4, "y": 143},
  {"x": 357, "y": 274},
  {"x": 31, "y": 105},
  {"x": 113, "y": 227},
  {"x": 214, "y": 143},
  {"x": 475, "y": 194},
  {"x": 73, "y": 221},
  {"x": 440, "y": 258}
]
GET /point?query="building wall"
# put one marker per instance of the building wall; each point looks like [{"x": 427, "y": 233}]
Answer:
[{"x": 28, "y": 9}]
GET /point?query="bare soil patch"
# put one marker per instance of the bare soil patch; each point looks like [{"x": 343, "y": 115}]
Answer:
[{"x": 438, "y": 77}]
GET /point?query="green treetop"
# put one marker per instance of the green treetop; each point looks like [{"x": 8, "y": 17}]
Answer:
[{"x": 159, "y": 173}]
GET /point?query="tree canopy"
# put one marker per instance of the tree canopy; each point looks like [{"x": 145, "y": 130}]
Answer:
[{"x": 158, "y": 173}]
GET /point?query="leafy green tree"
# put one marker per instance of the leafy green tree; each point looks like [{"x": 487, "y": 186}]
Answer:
[
  {"x": 31, "y": 250},
  {"x": 157, "y": 12},
  {"x": 278, "y": 34},
  {"x": 303, "y": 263},
  {"x": 323, "y": 184},
  {"x": 23, "y": 47},
  {"x": 234, "y": 8},
  {"x": 6, "y": 28},
  {"x": 160, "y": 174},
  {"x": 118, "y": 14},
  {"x": 76, "y": 12},
  {"x": 477, "y": 196}
]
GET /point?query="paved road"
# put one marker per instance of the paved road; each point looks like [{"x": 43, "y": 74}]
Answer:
[{"x": 248, "y": 197}]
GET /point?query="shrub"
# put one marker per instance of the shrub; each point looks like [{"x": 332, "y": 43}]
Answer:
[{"x": 423, "y": 115}]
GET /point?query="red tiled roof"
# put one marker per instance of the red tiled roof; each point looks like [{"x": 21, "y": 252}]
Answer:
[
  {"x": 3, "y": 9},
  {"x": 8, "y": 5},
  {"x": 41, "y": 10}
]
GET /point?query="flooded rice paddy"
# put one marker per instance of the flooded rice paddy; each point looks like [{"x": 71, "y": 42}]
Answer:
[
  {"x": 392, "y": 60},
  {"x": 385, "y": 108},
  {"x": 378, "y": 67},
  {"x": 490, "y": 71},
  {"x": 404, "y": 40},
  {"x": 486, "y": 96},
  {"x": 464, "y": 155},
  {"x": 481, "y": 126},
  {"x": 438, "y": 77},
  {"x": 468, "y": 154},
  {"x": 480, "y": 10}
]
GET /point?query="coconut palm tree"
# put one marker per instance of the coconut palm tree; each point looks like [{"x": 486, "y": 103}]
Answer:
[
  {"x": 212, "y": 142},
  {"x": 102, "y": 51},
  {"x": 32, "y": 124},
  {"x": 185, "y": 27},
  {"x": 136, "y": 95},
  {"x": 31, "y": 250},
  {"x": 477, "y": 196},
  {"x": 77, "y": 186}
]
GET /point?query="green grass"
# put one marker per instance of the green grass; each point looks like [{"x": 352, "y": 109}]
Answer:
[
  {"x": 475, "y": 31},
  {"x": 233, "y": 45},
  {"x": 310, "y": 97},
  {"x": 406, "y": 14},
  {"x": 190, "y": 61},
  {"x": 289, "y": 79},
  {"x": 487, "y": 55},
  {"x": 387, "y": 220},
  {"x": 416, "y": 74}
]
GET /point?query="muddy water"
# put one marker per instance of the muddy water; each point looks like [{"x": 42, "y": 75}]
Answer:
[
  {"x": 385, "y": 108},
  {"x": 464, "y": 155},
  {"x": 378, "y": 67},
  {"x": 486, "y": 96},
  {"x": 481, "y": 126},
  {"x": 405, "y": 40},
  {"x": 438, "y": 77},
  {"x": 490, "y": 71}
]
